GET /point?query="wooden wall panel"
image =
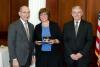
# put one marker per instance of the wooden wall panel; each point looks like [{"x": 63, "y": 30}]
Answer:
[
  {"x": 65, "y": 11},
  {"x": 65, "y": 7},
  {"x": 53, "y": 6},
  {"x": 91, "y": 15},
  {"x": 83, "y": 5},
  {"x": 15, "y": 5},
  {"x": 90, "y": 8},
  {"x": 60, "y": 11},
  {"x": 8, "y": 13},
  {"x": 4, "y": 15}
]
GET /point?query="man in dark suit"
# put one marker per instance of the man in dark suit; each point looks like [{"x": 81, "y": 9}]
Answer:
[
  {"x": 20, "y": 39},
  {"x": 77, "y": 40}
]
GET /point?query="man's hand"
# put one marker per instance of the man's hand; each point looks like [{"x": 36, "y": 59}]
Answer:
[
  {"x": 15, "y": 63},
  {"x": 33, "y": 59},
  {"x": 74, "y": 56},
  {"x": 79, "y": 55}
]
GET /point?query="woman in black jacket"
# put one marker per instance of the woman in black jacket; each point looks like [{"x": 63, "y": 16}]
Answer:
[{"x": 48, "y": 40}]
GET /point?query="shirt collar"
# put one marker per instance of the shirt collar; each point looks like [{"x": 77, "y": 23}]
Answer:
[
  {"x": 77, "y": 21},
  {"x": 22, "y": 21}
]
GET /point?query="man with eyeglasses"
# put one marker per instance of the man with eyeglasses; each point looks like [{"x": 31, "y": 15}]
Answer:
[{"x": 20, "y": 40}]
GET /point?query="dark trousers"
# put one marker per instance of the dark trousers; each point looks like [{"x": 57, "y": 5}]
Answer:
[
  {"x": 49, "y": 60},
  {"x": 28, "y": 63},
  {"x": 79, "y": 63}
]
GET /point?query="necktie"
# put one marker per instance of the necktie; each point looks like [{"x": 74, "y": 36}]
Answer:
[
  {"x": 76, "y": 28},
  {"x": 27, "y": 30}
]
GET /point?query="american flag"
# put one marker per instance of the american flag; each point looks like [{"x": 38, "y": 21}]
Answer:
[{"x": 97, "y": 51}]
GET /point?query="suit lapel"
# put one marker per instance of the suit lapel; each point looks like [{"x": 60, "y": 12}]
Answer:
[
  {"x": 23, "y": 29},
  {"x": 73, "y": 30},
  {"x": 30, "y": 31}
]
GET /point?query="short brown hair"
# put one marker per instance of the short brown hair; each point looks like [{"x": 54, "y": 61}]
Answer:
[{"x": 46, "y": 10}]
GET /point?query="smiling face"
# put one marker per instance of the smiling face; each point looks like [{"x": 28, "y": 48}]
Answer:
[
  {"x": 77, "y": 13},
  {"x": 24, "y": 13},
  {"x": 44, "y": 17}
]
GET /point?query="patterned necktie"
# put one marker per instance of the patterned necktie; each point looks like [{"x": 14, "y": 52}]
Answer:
[
  {"x": 76, "y": 28},
  {"x": 27, "y": 30}
]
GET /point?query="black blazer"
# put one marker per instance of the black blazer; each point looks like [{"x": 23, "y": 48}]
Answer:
[
  {"x": 55, "y": 33},
  {"x": 80, "y": 43},
  {"x": 19, "y": 45}
]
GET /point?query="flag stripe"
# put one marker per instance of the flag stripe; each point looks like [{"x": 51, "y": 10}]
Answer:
[{"x": 97, "y": 50}]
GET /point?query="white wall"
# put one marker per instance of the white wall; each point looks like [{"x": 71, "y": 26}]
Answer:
[{"x": 35, "y": 6}]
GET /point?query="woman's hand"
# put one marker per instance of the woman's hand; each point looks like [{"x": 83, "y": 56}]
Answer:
[
  {"x": 38, "y": 42},
  {"x": 54, "y": 41}
]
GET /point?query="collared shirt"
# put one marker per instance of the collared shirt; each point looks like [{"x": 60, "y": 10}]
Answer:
[
  {"x": 76, "y": 22},
  {"x": 23, "y": 22}
]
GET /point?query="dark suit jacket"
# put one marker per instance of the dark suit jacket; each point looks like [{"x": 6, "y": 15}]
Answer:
[
  {"x": 19, "y": 45},
  {"x": 55, "y": 33},
  {"x": 80, "y": 43}
]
